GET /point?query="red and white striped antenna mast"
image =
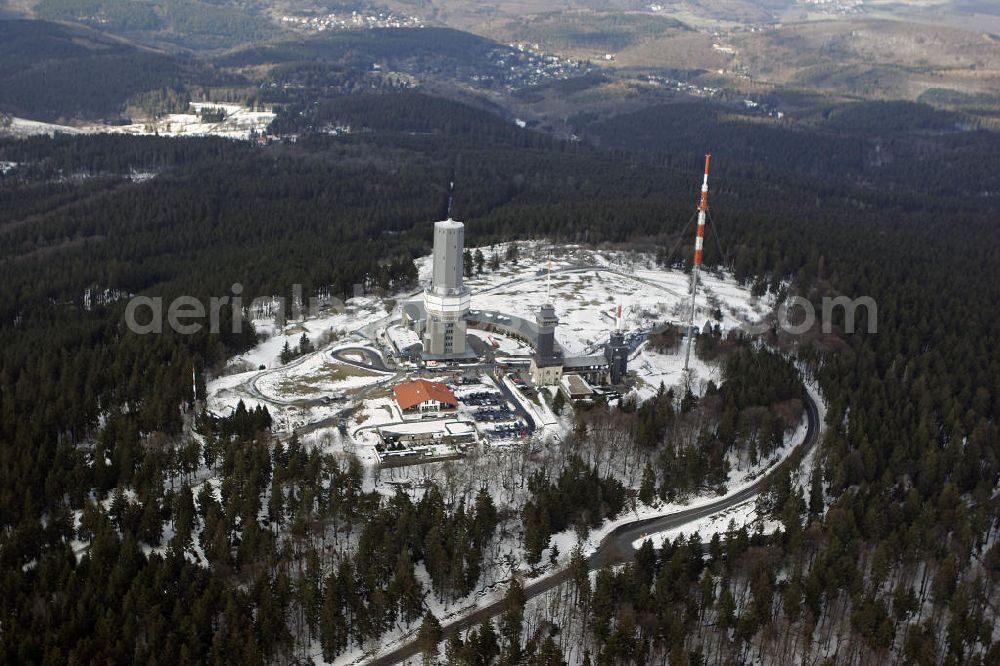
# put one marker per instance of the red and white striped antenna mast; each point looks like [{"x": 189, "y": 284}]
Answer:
[{"x": 699, "y": 241}]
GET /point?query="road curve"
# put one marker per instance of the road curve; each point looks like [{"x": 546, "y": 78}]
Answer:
[
  {"x": 616, "y": 547},
  {"x": 373, "y": 360}
]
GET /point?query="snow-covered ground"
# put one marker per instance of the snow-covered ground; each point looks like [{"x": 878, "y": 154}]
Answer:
[
  {"x": 738, "y": 480},
  {"x": 357, "y": 312},
  {"x": 745, "y": 514},
  {"x": 402, "y": 338},
  {"x": 382, "y": 414},
  {"x": 586, "y": 300},
  {"x": 22, "y": 127},
  {"x": 565, "y": 542},
  {"x": 317, "y": 375},
  {"x": 585, "y": 285},
  {"x": 653, "y": 368},
  {"x": 238, "y": 123},
  {"x": 541, "y": 414},
  {"x": 502, "y": 345},
  {"x": 292, "y": 392},
  {"x": 741, "y": 515}
]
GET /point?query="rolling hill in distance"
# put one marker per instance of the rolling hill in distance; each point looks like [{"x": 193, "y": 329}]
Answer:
[{"x": 842, "y": 51}]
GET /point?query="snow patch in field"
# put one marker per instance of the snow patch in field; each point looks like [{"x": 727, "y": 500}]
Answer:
[
  {"x": 653, "y": 368},
  {"x": 316, "y": 376},
  {"x": 502, "y": 345},
  {"x": 237, "y": 123},
  {"x": 22, "y": 127}
]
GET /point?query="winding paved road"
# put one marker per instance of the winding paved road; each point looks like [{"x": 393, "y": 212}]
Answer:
[
  {"x": 373, "y": 359},
  {"x": 616, "y": 547}
]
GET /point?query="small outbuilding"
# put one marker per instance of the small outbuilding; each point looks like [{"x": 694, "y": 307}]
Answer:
[{"x": 575, "y": 387}]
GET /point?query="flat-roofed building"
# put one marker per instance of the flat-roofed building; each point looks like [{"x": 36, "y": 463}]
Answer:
[{"x": 575, "y": 387}]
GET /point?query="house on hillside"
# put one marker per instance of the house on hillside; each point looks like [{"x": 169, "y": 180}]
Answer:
[{"x": 421, "y": 396}]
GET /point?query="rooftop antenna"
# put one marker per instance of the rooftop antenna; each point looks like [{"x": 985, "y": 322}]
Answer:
[
  {"x": 451, "y": 196},
  {"x": 698, "y": 242},
  {"x": 548, "y": 283}
]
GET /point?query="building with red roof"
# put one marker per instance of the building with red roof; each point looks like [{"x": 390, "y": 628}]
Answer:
[{"x": 422, "y": 395}]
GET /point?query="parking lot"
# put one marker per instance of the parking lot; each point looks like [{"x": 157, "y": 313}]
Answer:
[
  {"x": 495, "y": 417},
  {"x": 487, "y": 413},
  {"x": 515, "y": 430}
]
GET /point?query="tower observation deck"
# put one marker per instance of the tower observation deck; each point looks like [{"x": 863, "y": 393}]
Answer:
[{"x": 447, "y": 299}]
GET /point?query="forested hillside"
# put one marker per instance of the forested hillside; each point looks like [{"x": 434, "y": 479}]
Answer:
[
  {"x": 50, "y": 71},
  {"x": 188, "y": 23},
  {"x": 892, "y": 544},
  {"x": 890, "y": 144}
]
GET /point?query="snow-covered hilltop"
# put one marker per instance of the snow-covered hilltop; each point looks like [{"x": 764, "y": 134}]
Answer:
[{"x": 325, "y": 395}]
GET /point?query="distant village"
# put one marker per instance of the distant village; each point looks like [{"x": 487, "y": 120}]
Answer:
[{"x": 354, "y": 21}]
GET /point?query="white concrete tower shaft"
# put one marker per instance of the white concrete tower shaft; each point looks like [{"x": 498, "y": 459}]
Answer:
[
  {"x": 449, "y": 261},
  {"x": 447, "y": 299}
]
